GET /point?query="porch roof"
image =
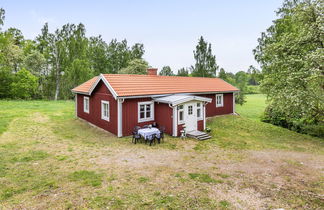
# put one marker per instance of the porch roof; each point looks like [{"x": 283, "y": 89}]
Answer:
[{"x": 174, "y": 100}]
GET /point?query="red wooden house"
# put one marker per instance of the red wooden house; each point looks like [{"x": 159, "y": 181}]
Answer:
[{"x": 119, "y": 102}]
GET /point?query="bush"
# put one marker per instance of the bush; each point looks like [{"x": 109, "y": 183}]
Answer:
[
  {"x": 24, "y": 85},
  {"x": 252, "y": 89},
  {"x": 276, "y": 117},
  {"x": 314, "y": 130}
]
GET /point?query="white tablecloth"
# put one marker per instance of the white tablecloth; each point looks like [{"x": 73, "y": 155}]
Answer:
[{"x": 146, "y": 132}]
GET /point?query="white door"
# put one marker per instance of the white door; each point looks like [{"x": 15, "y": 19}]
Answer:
[{"x": 191, "y": 117}]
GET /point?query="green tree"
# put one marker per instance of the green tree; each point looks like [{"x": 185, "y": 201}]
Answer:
[
  {"x": 166, "y": 71},
  {"x": 24, "y": 85},
  {"x": 291, "y": 55},
  {"x": 2, "y": 17},
  {"x": 98, "y": 56},
  {"x": 205, "y": 65},
  {"x": 183, "y": 72},
  {"x": 136, "y": 66}
]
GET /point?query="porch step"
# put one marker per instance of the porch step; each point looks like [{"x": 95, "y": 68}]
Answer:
[{"x": 198, "y": 135}]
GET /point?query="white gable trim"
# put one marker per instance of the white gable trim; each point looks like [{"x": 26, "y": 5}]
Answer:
[{"x": 102, "y": 78}]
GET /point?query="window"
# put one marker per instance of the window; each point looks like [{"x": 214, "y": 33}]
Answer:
[
  {"x": 180, "y": 114},
  {"x": 219, "y": 100},
  {"x": 190, "y": 110},
  {"x": 199, "y": 111},
  {"x": 105, "y": 110},
  {"x": 86, "y": 104},
  {"x": 145, "y": 111}
]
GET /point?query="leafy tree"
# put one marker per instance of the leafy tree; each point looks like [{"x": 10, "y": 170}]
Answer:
[
  {"x": 222, "y": 74},
  {"x": 291, "y": 55},
  {"x": 16, "y": 35},
  {"x": 205, "y": 65},
  {"x": 183, "y": 72},
  {"x": 24, "y": 85},
  {"x": 166, "y": 71},
  {"x": 6, "y": 78},
  {"x": 2, "y": 17},
  {"x": 98, "y": 56},
  {"x": 136, "y": 66},
  {"x": 255, "y": 76}
]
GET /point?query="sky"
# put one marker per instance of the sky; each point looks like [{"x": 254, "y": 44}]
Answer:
[{"x": 168, "y": 29}]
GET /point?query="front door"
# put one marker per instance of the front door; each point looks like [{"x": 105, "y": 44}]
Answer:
[{"x": 191, "y": 117}]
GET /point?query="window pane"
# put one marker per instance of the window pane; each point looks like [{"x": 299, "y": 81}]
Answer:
[
  {"x": 148, "y": 114},
  {"x": 180, "y": 106},
  {"x": 181, "y": 116},
  {"x": 148, "y": 107},
  {"x": 142, "y": 115},
  {"x": 198, "y": 104},
  {"x": 198, "y": 112},
  {"x": 142, "y": 108},
  {"x": 189, "y": 110}
]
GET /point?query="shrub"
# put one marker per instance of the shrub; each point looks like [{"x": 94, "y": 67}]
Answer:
[{"x": 24, "y": 85}]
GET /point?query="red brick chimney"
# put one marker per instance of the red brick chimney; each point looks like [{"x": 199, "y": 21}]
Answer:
[{"x": 152, "y": 71}]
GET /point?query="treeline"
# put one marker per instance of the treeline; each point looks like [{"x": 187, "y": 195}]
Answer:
[
  {"x": 49, "y": 66},
  {"x": 291, "y": 55}
]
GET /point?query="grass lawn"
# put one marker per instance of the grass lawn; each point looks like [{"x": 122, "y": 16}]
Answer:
[{"x": 50, "y": 159}]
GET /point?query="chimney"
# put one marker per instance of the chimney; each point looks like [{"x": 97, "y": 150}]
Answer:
[{"x": 152, "y": 71}]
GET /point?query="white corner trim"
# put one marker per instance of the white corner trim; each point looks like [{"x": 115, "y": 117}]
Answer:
[
  {"x": 120, "y": 117},
  {"x": 234, "y": 103},
  {"x": 175, "y": 121},
  {"x": 110, "y": 88},
  {"x": 76, "y": 104},
  {"x": 204, "y": 115},
  {"x": 201, "y": 111},
  {"x": 138, "y": 111}
]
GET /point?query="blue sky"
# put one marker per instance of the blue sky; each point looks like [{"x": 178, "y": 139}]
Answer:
[{"x": 168, "y": 29}]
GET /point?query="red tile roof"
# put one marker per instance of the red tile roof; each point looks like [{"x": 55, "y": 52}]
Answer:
[
  {"x": 86, "y": 86},
  {"x": 135, "y": 85}
]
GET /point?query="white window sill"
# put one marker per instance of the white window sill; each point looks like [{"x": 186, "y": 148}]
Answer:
[
  {"x": 106, "y": 119},
  {"x": 145, "y": 120}
]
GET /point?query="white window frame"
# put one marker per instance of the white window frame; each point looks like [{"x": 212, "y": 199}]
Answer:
[
  {"x": 86, "y": 100},
  {"x": 145, "y": 119},
  {"x": 222, "y": 100},
  {"x": 183, "y": 113},
  {"x": 201, "y": 111},
  {"x": 103, "y": 103}
]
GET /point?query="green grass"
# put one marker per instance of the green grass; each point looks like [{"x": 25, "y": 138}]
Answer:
[
  {"x": 248, "y": 132},
  {"x": 87, "y": 177},
  {"x": 203, "y": 178},
  {"x": 50, "y": 159},
  {"x": 253, "y": 108}
]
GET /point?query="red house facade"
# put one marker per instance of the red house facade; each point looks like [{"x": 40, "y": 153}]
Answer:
[{"x": 119, "y": 102}]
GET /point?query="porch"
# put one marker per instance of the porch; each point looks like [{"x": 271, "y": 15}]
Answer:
[{"x": 188, "y": 112}]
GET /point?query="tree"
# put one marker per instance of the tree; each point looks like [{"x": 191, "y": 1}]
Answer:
[
  {"x": 166, "y": 71},
  {"x": 2, "y": 17},
  {"x": 291, "y": 55},
  {"x": 255, "y": 76},
  {"x": 183, "y": 72},
  {"x": 136, "y": 66},
  {"x": 24, "y": 85},
  {"x": 98, "y": 56},
  {"x": 119, "y": 54},
  {"x": 205, "y": 65},
  {"x": 222, "y": 74}
]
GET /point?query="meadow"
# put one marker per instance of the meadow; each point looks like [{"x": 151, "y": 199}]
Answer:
[{"x": 50, "y": 159}]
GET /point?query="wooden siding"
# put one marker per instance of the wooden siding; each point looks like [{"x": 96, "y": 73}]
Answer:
[
  {"x": 212, "y": 110},
  {"x": 100, "y": 93},
  {"x": 162, "y": 115}
]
